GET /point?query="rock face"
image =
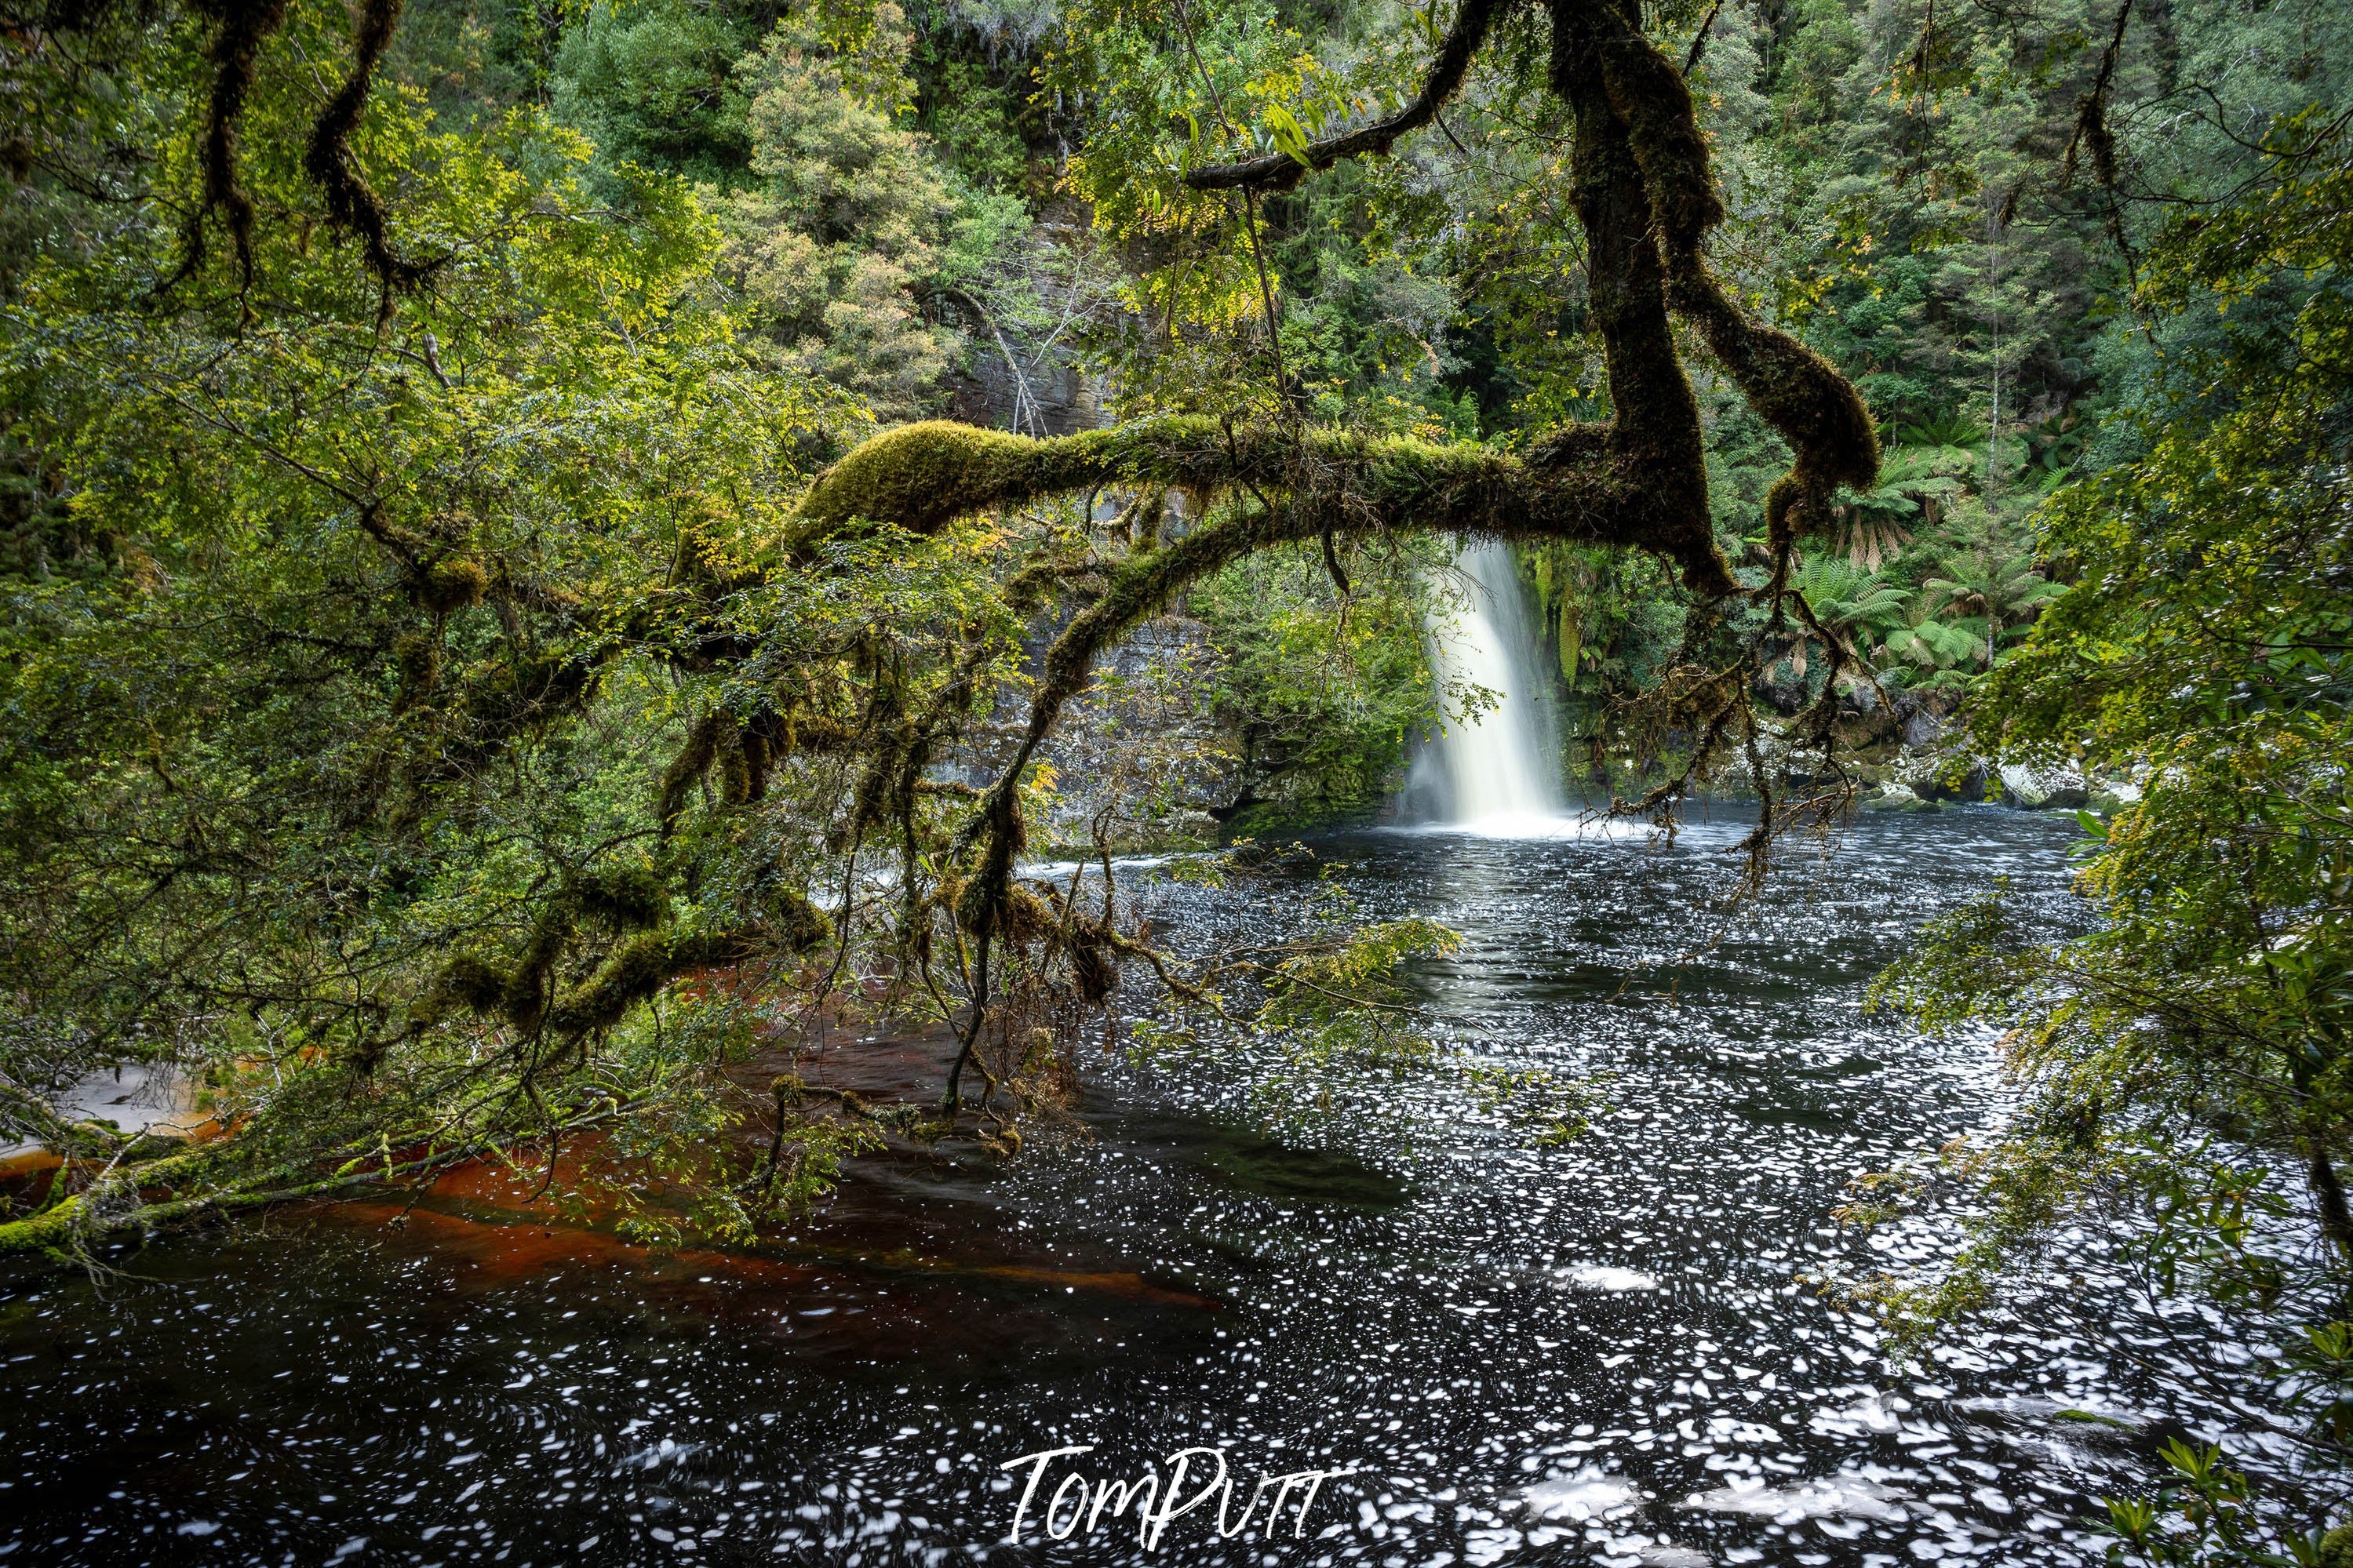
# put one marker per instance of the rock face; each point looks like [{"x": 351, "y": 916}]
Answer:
[
  {"x": 1912, "y": 754},
  {"x": 1021, "y": 374},
  {"x": 1139, "y": 757},
  {"x": 1922, "y": 727},
  {"x": 2047, "y": 786},
  {"x": 1042, "y": 399}
]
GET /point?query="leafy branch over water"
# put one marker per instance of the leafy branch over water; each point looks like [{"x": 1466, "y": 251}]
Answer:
[{"x": 474, "y": 687}]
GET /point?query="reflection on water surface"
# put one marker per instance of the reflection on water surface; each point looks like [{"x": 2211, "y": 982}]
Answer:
[{"x": 1526, "y": 1354}]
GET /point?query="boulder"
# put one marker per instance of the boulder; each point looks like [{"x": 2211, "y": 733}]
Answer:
[
  {"x": 2043, "y": 787},
  {"x": 1922, "y": 727},
  {"x": 1896, "y": 797},
  {"x": 1953, "y": 777}
]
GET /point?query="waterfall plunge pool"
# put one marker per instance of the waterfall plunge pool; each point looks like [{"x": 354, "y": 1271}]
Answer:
[{"x": 1599, "y": 1350}]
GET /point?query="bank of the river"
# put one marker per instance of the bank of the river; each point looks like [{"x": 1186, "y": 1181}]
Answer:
[
  {"x": 1149, "y": 761},
  {"x": 1526, "y": 1352}
]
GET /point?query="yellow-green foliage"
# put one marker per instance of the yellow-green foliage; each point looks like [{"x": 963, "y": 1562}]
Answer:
[{"x": 850, "y": 221}]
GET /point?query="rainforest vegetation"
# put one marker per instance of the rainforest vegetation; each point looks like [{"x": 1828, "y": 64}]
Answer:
[{"x": 541, "y": 542}]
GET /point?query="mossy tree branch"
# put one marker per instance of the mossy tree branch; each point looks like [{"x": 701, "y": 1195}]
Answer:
[
  {"x": 1582, "y": 483},
  {"x": 117, "y": 1201},
  {"x": 1280, "y": 171},
  {"x": 1646, "y": 195}
]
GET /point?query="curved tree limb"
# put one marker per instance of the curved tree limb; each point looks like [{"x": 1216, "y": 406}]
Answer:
[
  {"x": 1280, "y": 171},
  {"x": 1802, "y": 394},
  {"x": 244, "y": 26},
  {"x": 351, "y": 205},
  {"x": 1646, "y": 195},
  {"x": 1581, "y": 484}
]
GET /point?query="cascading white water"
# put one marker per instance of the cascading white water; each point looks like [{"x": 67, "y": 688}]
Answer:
[{"x": 1498, "y": 767}]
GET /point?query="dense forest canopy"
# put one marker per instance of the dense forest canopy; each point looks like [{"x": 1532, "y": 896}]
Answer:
[{"x": 497, "y": 607}]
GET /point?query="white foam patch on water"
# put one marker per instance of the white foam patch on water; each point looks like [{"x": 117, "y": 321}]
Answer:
[
  {"x": 1667, "y": 1554},
  {"x": 1871, "y": 1413},
  {"x": 669, "y": 1451},
  {"x": 1590, "y": 1493},
  {"x": 1528, "y": 824},
  {"x": 1834, "y": 1497},
  {"x": 1608, "y": 1277},
  {"x": 1531, "y": 825}
]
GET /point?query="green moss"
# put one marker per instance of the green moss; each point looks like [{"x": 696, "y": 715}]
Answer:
[
  {"x": 1802, "y": 394},
  {"x": 797, "y": 923},
  {"x": 693, "y": 759},
  {"x": 734, "y": 767},
  {"x": 634, "y": 971},
  {"x": 640, "y": 967},
  {"x": 923, "y": 477},
  {"x": 1646, "y": 90},
  {"x": 469, "y": 981},
  {"x": 1093, "y": 972},
  {"x": 418, "y": 658},
  {"x": 453, "y": 583},
  {"x": 1023, "y": 917},
  {"x": 625, "y": 896}
]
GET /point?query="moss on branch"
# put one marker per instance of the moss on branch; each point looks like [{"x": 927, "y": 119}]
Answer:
[
  {"x": 117, "y": 1201},
  {"x": 923, "y": 477},
  {"x": 1578, "y": 486},
  {"x": 632, "y": 973}
]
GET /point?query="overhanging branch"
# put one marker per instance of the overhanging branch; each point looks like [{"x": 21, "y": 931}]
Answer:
[
  {"x": 1280, "y": 171},
  {"x": 1578, "y": 485}
]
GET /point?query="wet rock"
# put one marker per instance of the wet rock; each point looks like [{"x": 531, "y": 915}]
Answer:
[
  {"x": 1787, "y": 699},
  {"x": 1863, "y": 720},
  {"x": 2032, "y": 786},
  {"x": 1922, "y": 727},
  {"x": 1953, "y": 778},
  {"x": 1895, "y": 796}
]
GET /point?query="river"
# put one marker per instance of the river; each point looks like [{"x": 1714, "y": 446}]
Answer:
[{"x": 1518, "y": 1350}]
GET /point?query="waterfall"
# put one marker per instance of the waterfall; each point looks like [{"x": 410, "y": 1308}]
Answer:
[{"x": 1499, "y": 768}]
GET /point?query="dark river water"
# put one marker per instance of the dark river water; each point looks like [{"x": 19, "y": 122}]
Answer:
[{"x": 1512, "y": 1350}]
